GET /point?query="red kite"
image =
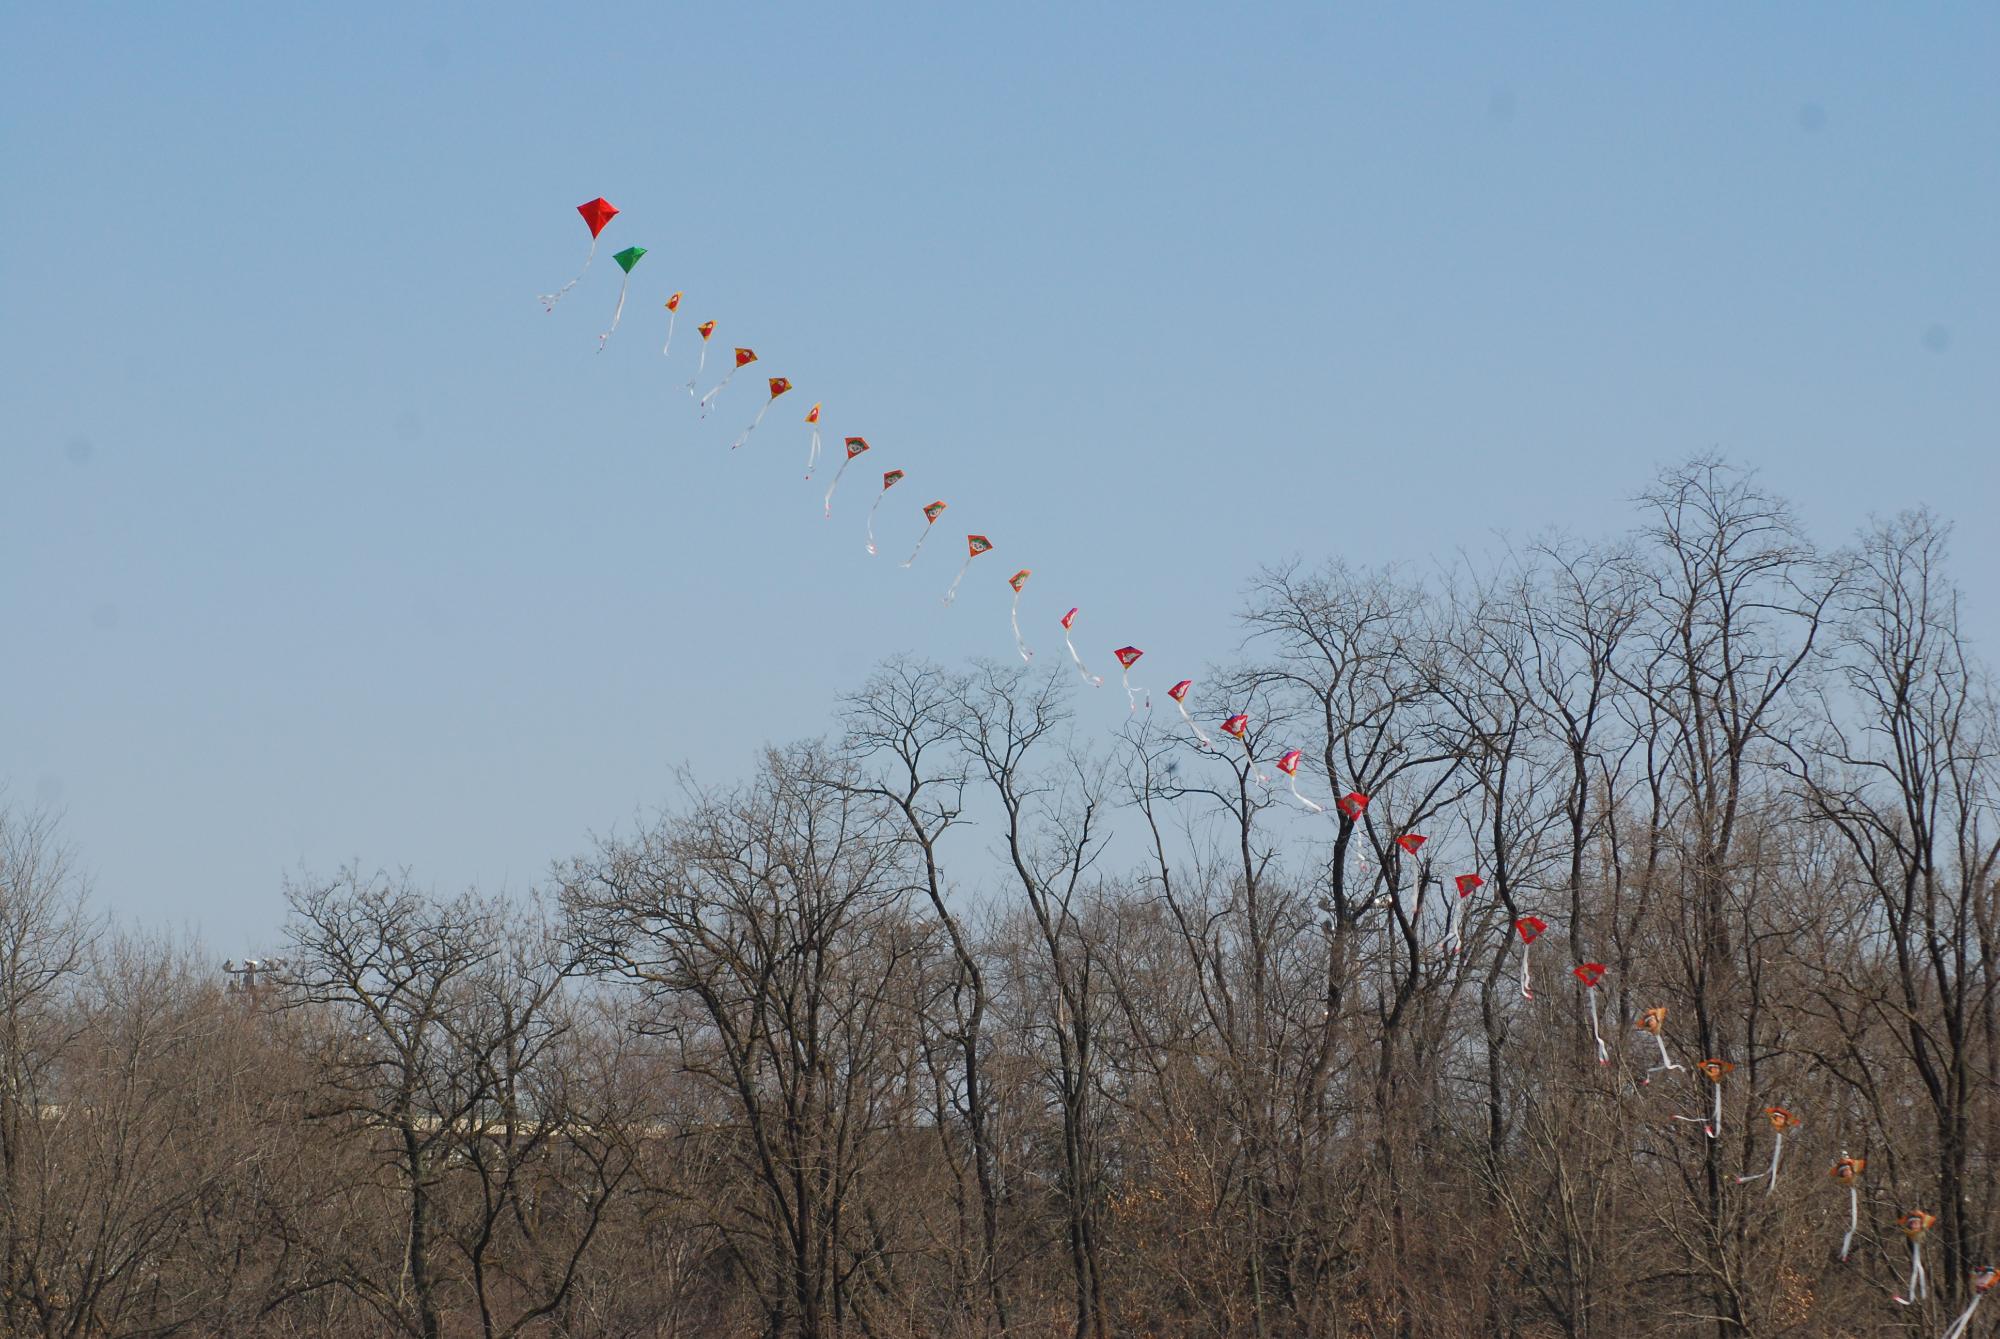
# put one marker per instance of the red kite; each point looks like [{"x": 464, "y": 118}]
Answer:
[
  {"x": 673, "y": 311},
  {"x": 1468, "y": 884},
  {"x": 974, "y": 546},
  {"x": 1590, "y": 973},
  {"x": 1410, "y": 841},
  {"x": 744, "y": 357},
  {"x": 1289, "y": 765},
  {"x": 1783, "y": 1123},
  {"x": 1530, "y": 929},
  {"x": 1983, "y": 1282},
  {"x": 1714, "y": 1071},
  {"x": 1352, "y": 804},
  {"x": 932, "y": 510},
  {"x": 1914, "y": 1224},
  {"x": 1654, "y": 1020},
  {"x": 855, "y": 446},
  {"x": 596, "y": 213},
  {"x": 778, "y": 387},
  {"x": 1847, "y": 1171},
  {"x": 1179, "y": 694},
  {"x": 812, "y": 452},
  {"x": 890, "y": 478},
  {"x": 1128, "y": 656},
  {"x": 705, "y": 329},
  {"x": 1018, "y": 580},
  {"x": 1069, "y": 622}
]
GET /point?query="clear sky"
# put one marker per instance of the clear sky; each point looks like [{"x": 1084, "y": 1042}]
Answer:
[{"x": 320, "y": 541}]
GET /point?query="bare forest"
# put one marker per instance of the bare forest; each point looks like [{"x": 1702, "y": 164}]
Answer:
[{"x": 973, "y": 1017}]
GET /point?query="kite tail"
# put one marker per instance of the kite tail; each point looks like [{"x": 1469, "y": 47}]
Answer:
[
  {"x": 1853, "y": 1215},
  {"x": 952, "y": 594},
  {"x": 1094, "y": 680},
  {"x": 664, "y": 348},
  {"x": 1527, "y": 987},
  {"x": 699, "y": 365},
  {"x": 753, "y": 424},
  {"x": 920, "y": 545},
  {"x": 871, "y": 516},
  {"x": 1131, "y": 693},
  {"x": 1770, "y": 1174},
  {"x": 835, "y": 484},
  {"x": 812, "y": 455},
  {"x": 1666, "y": 1061},
  {"x": 1963, "y": 1325},
  {"x": 1919, "y": 1286},
  {"x": 1452, "y": 942},
  {"x": 1308, "y": 804},
  {"x": 1255, "y": 771},
  {"x": 1206, "y": 742},
  {"x": 1714, "y": 1127},
  {"x": 1020, "y": 642},
  {"x": 549, "y": 300},
  {"x": 616, "y": 312},
  {"x": 1603, "y": 1056},
  {"x": 720, "y": 386}
]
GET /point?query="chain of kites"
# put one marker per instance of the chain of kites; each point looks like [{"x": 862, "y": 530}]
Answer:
[{"x": 1846, "y": 1171}]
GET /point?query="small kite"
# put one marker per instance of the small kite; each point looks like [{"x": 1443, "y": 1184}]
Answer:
[
  {"x": 1018, "y": 580},
  {"x": 1128, "y": 656},
  {"x": 744, "y": 357},
  {"x": 932, "y": 510},
  {"x": 1590, "y": 973},
  {"x": 596, "y": 213},
  {"x": 1467, "y": 885},
  {"x": 812, "y": 453},
  {"x": 1352, "y": 804},
  {"x": 1715, "y": 1071},
  {"x": 1655, "y": 1021},
  {"x": 974, "y": 546},
  {"x": 1179, "y": 694},
  {"x": 890, "y": 478},
  {"x": 1069, "y": 622},
  {"x": 1847, "y": 1171},
  {"x": 1530, "y": 929},
  {"x": 1410, "y": 841},
  {"x": 1237, "y": 727},
  {"x": 778, "y": 387},
  {"x": 1289, "y": 765},
  {"x": 626, "y": 260},
  {"x": 673, "y": 309},
  {"x": 1983, "y": 1281},
  {"x": 855, "y": 446},
  {"x": 1782, "y": 1123},
  {"x": 705, "y": 329},
  {"x": 1914, "y": 1224}
]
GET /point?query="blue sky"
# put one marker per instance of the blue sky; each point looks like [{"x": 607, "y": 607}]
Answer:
[{"x": 320, "y": 541}]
